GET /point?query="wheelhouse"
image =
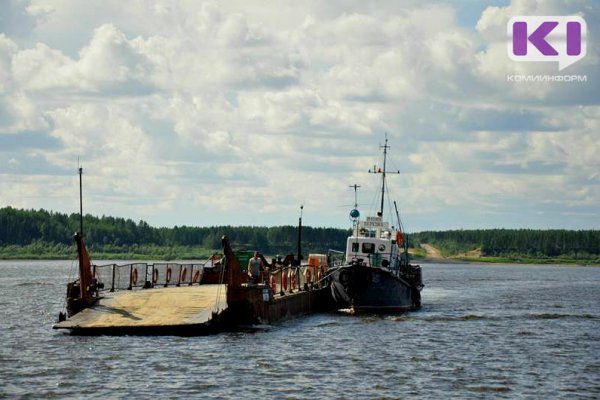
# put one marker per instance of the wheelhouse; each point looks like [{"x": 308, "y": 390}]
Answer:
[{"x": 374, "y": 242}]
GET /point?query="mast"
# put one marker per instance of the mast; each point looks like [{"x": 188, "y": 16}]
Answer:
[
  {"x": 385, "y": 147},
  {"x": 80, "y": 203},
  {"x": 354, "y": 213},
  {"x": 85, "y": 265},
  {"x": 383, "y": 172}
]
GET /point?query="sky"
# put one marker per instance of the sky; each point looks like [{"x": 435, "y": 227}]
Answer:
[{"x": 238, "y": 112}]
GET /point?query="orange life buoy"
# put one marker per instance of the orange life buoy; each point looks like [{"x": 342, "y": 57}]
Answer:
[
  {"x": 196, "y": 277},
  {"x": 399, "y": 238},
  {"x": 284, "y": 280},
  {"x": 134, "y": 276},
  {"x": 273, "y": 285},
  {"x": 154, "y": 277},
  {"x": 169, "y": 274},
  {"x": 183, "y": 274}
]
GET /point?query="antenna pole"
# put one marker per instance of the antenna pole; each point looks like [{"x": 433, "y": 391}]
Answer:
[
  {"x": 80, "y": 203},
  {"x": 385, "y": 147},
  {"x": 355, "y": 187},
  {"x": 300, "y": 236}
]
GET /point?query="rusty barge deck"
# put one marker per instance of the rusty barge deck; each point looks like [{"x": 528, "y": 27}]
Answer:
[
  {"x": 175, "y": 310},
  {"x": 169, "y": 299},
  {"x": 193, "y": 310}
]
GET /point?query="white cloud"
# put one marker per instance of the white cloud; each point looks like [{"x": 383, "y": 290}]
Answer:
[
  {"x": 21, "y": 113},
  {"x": 44, "y": 68},
  {"x": 233, "y": 113},
  {"x": 109, "y": 64}
]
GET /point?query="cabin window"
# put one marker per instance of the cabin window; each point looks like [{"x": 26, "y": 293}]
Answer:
[
  {"x": 368, "y": 232},
  {"x": 355, "y": 247},
  {"x": 368, "y": 248}
]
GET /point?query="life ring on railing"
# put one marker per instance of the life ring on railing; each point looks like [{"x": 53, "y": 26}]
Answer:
[
  {"x": 284, "y": 280},
  {"x": 273, "y": 285},
  {"x": 154, "y": 277},
  {"x": 134, "y": 276},
  {"x": 196, "y": 277},
  {"x": 169, "y": 271},
  {"x": 308, "y": 275},
  {"x": 183, "y": 274}
]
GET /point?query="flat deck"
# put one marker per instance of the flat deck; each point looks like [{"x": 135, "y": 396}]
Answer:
[{"x": 150, "y": 308}]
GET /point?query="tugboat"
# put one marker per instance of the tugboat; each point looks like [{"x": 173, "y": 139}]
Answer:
[{"x": 376, "y": 275}]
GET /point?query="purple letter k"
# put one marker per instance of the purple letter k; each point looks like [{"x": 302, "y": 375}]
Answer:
[{"x": 537, "y": 38}]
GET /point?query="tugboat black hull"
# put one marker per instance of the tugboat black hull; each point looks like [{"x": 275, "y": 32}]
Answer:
[{"x": 367, "y": 289}]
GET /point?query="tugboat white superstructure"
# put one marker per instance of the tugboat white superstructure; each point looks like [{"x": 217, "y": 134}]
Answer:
[{"x": 377, "y": 275}]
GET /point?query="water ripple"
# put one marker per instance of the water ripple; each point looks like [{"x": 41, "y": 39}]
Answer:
[{"x": 484, "y": 332}]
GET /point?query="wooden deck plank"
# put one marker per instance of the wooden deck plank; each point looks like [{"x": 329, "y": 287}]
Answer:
[{"x": 162, "y": 307}]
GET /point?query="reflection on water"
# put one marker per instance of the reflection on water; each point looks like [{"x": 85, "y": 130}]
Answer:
[{"x": 498, "y": 331}]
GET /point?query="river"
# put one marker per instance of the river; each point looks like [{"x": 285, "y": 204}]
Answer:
[{"x": 501, "y": 331}]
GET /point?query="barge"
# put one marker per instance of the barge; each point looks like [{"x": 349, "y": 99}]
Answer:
[
  {"x": 175, "y": 298},
  {"x": 169, "y": 298}
]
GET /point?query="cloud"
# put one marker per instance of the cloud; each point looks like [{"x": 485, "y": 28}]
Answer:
[
  {"x": 233, "y": 113},
  {"x": 110, "y": 64},
  {"x": 19, "y": 112}
]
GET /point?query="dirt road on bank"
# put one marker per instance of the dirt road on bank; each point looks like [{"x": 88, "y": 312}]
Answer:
[
  {"x": 432, "y": 252},
  {"x": 435, "y": 256}
]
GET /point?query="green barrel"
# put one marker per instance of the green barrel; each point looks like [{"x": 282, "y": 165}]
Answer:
[{"x": 243, "y": 257}]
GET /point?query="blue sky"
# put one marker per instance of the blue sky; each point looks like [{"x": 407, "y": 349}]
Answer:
[{"x": 235, "y": 112}]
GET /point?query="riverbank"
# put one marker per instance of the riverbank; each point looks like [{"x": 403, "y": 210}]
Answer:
[
  {"x": 427, "y": 253},
  {"x": 424, "y": 254}
]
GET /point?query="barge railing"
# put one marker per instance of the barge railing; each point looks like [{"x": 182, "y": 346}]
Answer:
[
  {"x": 139, "y": 275},
  {"x": 288, "y": 279}
]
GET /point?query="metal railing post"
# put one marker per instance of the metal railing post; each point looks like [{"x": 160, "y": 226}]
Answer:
[
  {"x": 112, "y": 286},
  {"x": 146, "y": 282},
  {"x": 130, "y": 284},
  {"x": 167, "y": 273}
]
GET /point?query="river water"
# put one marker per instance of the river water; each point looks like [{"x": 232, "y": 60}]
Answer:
[{"x": 500, "y": 331}]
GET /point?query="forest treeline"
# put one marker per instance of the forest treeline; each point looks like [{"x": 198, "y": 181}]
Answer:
[
  {"x": 514, "y": 242},
  {"x": 51, "y": 230},
  {"x": 23, "y": 227}
]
